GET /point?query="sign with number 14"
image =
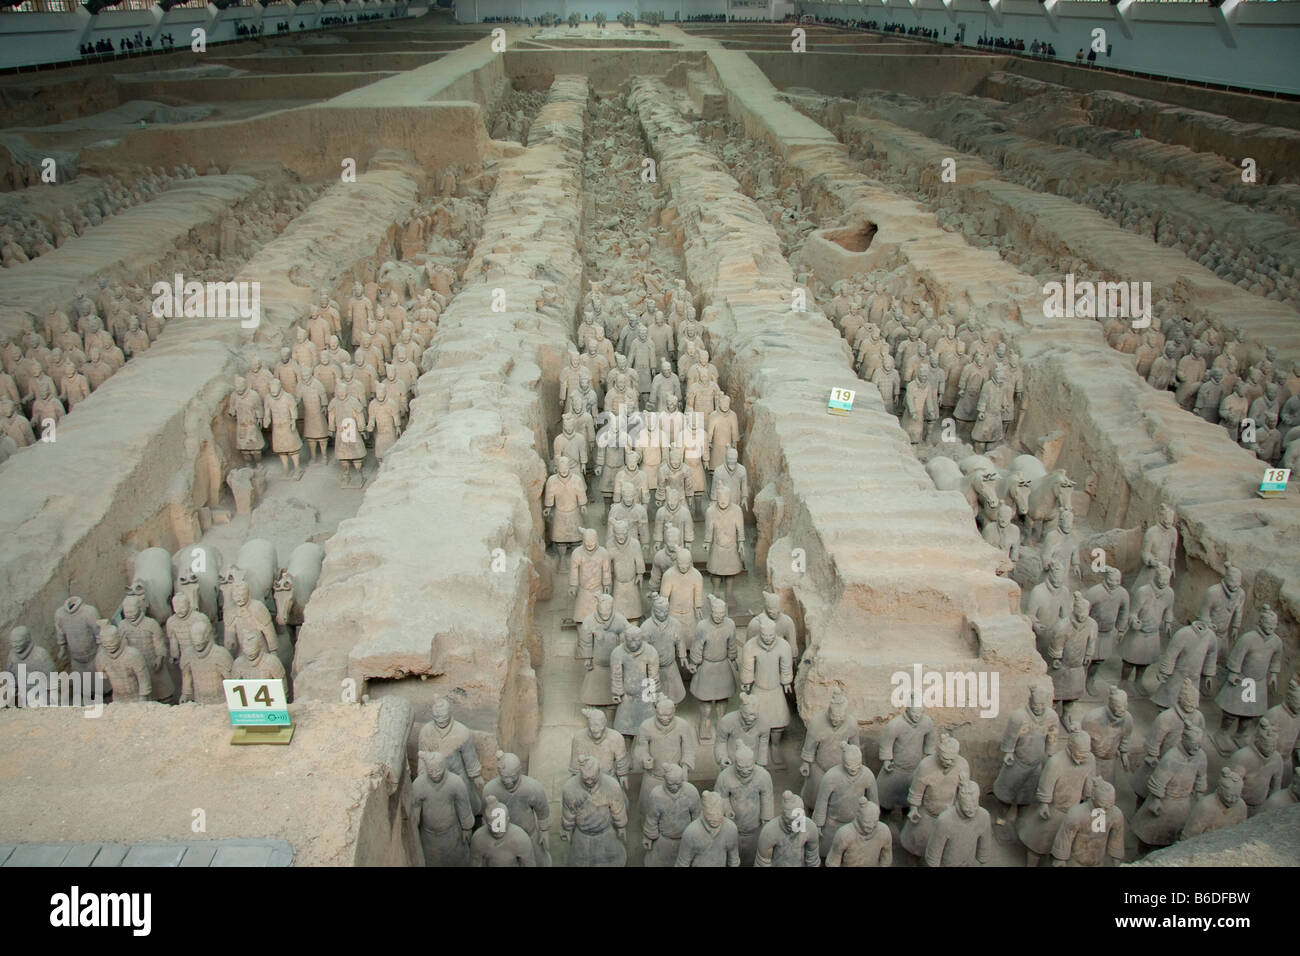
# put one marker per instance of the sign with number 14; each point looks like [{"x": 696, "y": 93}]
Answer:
[{"x": 256, "y": 703}]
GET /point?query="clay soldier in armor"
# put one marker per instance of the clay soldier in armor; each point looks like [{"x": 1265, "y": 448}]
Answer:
[
  {"x": 863, "y": 842},
  {"x": 673, "y": 805},
  {"x": 839, "y": 791},
  {"x": 712, "y": 660},
  {"x": 1164, "y": 733},
  {"x": 606, "y": 747},
  {"x": 741, "y": 726},
  {"x": 1153, "y": 615},
  {"x": 1031, "y": 731},
  {"x": 627, "y": 568},
  {"x": 662, "y": 633},
  {"x": 1062, "y": 784},
  {"x": 634, "y": 681},
  {"x": 564, "y": 503},
  {"x": 784, "y": 623},
  {"x": 1110, "y": 727},
  {"x": 1260, "y": 766},
  {"x": 628, "y": 509},
  {"x": 1068, "y": 652},
  {"x": 34, "y": 659},
  {"x": 145, "y": 635},
  {"x": 204, "y": 665},
  {"x": 987, "y": 429},
  {"x": 1108, "y": 605},
  {"x": 665, "y": 557},
  {"x": 590, "y": 573},
  {"x": 526, "y": 801},
  {"x": 683, "y": 586},
  {"x": 1252, "y": 669},
  {"x": 282, "y": 412},
  {"x": 933, "y": 789},
  {"x": 454, "y": 741},
  {"x": 731, "y": 475},
  {"x": 1159, "y": 547},
  {"x": 724, "y": 540},
  {"x": 963, "y": 833},
  {"x": 440, "y": 811},
  {"x": 1049, "y": 602},
  {"x": 1191, "y": 652},
  {"x": 75, "y": 635},
  {"x": 907, "y": 739},
  {"x": 1223, "y": 606},
  {"x": 347, "y": 425},
  {"x": 661, "y": 740},
  {"x": 255, "y": 661},
  {"x": 597, "y": 637},
  {"x": 1222, "y": 808},
  {"x": 748, "y": 799},
  {"x": 826, "y": 734},
  {"x": 1091, "y": 831},
  {"x": 1175, "y": 784},
  {"x": 711, "y": 839},
  {"x": 766, "y": 672},
  {"x": 500, "y": 842},
  {"x": 1285, "y": 719},
  {"x": 123, "y": 665},
  {"x": 723, "y": 432},
  {"x": 789, "y": 839},
  {"x": 246, "y": 409}
]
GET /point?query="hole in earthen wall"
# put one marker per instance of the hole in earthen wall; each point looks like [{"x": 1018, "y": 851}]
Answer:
[{"x": 854, "y": 239}]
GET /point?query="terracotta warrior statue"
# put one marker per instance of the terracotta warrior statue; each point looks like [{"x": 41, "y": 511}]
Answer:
[
  {"x": 1064, "y": 781},
  {"x": 440, "y": 810},
  {"x": 526, "y": 803},
  {"x": 724, "y": 540},
  {"x": 934, "y": 787},
  {"x": 1222, "y": 808},
  {"x": 1165, "y": 731},
  {"x": 1252, "y": 670},
  {"x": 907, "y": 739},
  {"x": 839, "y": 791},
  {"x": 863, "y": 842},
  {"x": 1191, "y": 652},
  {"x": 1110, "y": 727},
  {"x": 1068, "y": 651},
  {"x": 823, "y": 742},
  {"x": 590, "y": 573},
  {"x": 661, "y": 740},
  {"x": 1153, "y": 616},
  {"x": 766, "y": 672},
  {"x": 712, "y": 661},
  {"x": 1175, "y": 784},
  {"x": 593, "y": 817},
  {"x": 790, "y": 839},
  {"x": 627, "y": 568},
  {"x": 674, "y": 804},
  {"x": 282, "y": 412},
  {"x": 75, "y": 635},
  {"x": 123, "y": 665},
  {"x": 597, "y": 637},
  {"x": 741, "y": 726},
  {"x": 453, "y": 740},
  {"x": 1108, "y": 605},
  {"x": 1260, "y": 766},
  {"x": 1092, "y": 831},
  {"x": 963, "y": 833},
  {"x": 246, "y": 409},
  {"x": 784, "y": 623},
  {"x": 146, "y": 636},
  {"x": 683, "y": 586},
  {"x": 564, "y": 504},
  {"x": 634, "y": 681},
  {"x": 605, "y": 746},
  {"x": 500, "y": 842},
  {"x": 34, "y": 658},
  {"x": 712, "y": 839},
  {"x": 1031, "y": 731},
  {"x": 746, "y": 791},
  {"x": 204, "y": 665}
]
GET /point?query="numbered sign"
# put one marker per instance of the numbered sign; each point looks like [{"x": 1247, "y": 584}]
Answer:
[
  {"x": 841, "y": 401},
  {"x": 1274, "y": 483},
  {"x": 257, "y": 703}
]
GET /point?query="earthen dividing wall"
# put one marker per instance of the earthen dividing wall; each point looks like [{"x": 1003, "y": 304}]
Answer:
[
  {"x": 436, "y": 576},
  {"x": 896, "y": 574}
]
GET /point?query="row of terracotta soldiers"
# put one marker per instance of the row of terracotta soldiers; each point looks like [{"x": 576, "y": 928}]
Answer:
[
  {"x": 320, "y": 392},
  {"x": 24, "y": 237},
  {"x": 181, "y": 659},
  {"x": 1207, "y": 367}
]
